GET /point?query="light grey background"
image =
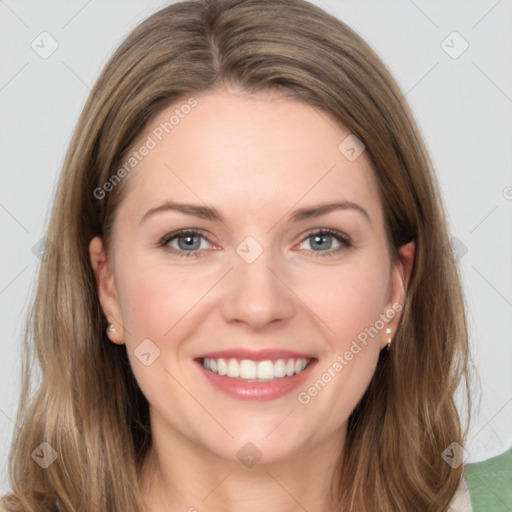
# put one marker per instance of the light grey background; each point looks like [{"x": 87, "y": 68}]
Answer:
[{"x": 463, "y": 106}]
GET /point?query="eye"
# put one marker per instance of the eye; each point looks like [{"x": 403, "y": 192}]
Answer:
[
  {"x": 322, "y": 239},
  {"x": 188, "y": 241}
]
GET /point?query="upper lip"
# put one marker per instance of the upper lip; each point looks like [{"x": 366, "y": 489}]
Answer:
[{"x": 255, "y": 355}]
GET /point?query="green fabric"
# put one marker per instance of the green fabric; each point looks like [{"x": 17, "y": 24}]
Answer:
[{"x": 490, "y": 484}]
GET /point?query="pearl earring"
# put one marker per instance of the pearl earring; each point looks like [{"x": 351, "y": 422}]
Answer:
[
  {"x": 388, "y": 331},
  {"x": 111, "y": 328}
]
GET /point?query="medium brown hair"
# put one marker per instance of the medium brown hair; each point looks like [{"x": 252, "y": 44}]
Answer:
[{"x": 88, "y": 406}]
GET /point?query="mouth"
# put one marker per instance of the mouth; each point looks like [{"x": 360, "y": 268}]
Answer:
[
  {"x": 248, "y": 375},
  {"x": 248, "y": 370}
]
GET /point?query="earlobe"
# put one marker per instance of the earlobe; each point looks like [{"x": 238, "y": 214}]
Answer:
[{"x": 105, "y": 286}]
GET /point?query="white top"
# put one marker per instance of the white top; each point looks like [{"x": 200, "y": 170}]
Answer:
[{"x": 461, "y": 501}]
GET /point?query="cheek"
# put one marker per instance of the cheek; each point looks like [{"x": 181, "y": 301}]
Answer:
[
  {"x": 351, "y": 309},
  {"x": 155, "y": 298},
  {"x": 348, "y": 300}
]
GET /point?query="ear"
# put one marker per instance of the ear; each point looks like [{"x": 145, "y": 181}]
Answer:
[
  {"x": 106, "y": 288},
  {"x": 400, "y": 275}
]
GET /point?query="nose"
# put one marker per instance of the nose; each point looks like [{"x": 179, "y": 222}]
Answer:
[{"x": 257, "y": 294}]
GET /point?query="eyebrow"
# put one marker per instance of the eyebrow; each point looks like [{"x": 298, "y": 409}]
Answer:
[{"x": 301, "y": 214}]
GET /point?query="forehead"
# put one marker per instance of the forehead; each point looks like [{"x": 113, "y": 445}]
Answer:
[{"x": 247, "y": 151}]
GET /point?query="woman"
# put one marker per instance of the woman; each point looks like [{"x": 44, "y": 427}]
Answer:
[{"x": 249, "y": 302}]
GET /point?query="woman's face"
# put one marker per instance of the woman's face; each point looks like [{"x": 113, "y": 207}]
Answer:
[{"x": 258, "y": 283}]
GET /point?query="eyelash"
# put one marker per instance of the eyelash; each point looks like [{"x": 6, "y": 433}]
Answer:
[{"x": 344, "y": 241}]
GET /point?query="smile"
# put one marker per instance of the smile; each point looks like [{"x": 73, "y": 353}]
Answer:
[
  {"x": 255, "y": 371},
  {"x": 249, "y": 374}
]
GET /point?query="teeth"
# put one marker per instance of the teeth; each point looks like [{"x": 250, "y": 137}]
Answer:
[
  {"x": 233, "y": 368},
  {"x": 290, "y": 367},
  {"x": 266, "y": 370},
  {"x": 222, "y": 367},
  {"x": 279, "y": 368},
  {"x": 247, "y": 369}
]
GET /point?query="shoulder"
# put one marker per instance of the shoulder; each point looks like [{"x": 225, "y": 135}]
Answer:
[{"x": 490, "y": 483}]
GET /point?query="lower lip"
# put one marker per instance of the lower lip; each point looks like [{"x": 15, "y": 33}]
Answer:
[{"x": 256, "y": 390}]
